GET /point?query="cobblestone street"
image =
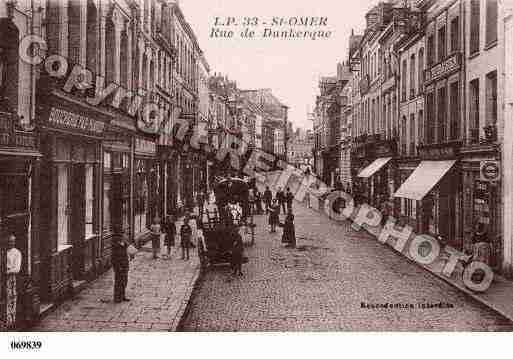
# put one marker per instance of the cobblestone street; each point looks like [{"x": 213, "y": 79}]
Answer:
[{"x": 321, "y": 285}]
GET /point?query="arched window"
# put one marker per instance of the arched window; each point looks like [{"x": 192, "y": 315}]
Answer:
[
  {"x": 92, "y": 37},
  {"x": 123, "y": 60},
  {"x": 110, "y": 41}
]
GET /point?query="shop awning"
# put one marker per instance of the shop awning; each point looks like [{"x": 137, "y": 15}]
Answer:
[
  {"x": 374, "y": 167},
  {"x": 423, "y": 179}
]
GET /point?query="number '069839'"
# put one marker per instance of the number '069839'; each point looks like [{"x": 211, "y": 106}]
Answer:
[{"x": 26, "y": 345}]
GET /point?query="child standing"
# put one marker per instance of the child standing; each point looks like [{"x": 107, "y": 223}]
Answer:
[{"x": 155, "y": 237}]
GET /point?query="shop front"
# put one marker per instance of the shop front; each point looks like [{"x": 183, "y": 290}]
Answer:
[
  {"x": 377, "y": 172},
  {"x": 71, "y": 143},
  {"x": 20, "y": 166},
  {"x": 434, "y": 187},
  {"x": 116, "y": 188},
  {"x": 146, "y": 182},
  {"x": 482, "y": 197}
]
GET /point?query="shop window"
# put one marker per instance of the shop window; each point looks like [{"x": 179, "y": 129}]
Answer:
[
  {"x": 491, "y": 22},
  {"x": 474, "y": 111},
  {"x": 107, "y": 160},
  {"x": 491, "y": 98},
  {"x": 107, "y": 225},
  {"x": 89, "y": 199},
  {"x": 63, "y": 205},
  {"x": 474, "y": 25}
]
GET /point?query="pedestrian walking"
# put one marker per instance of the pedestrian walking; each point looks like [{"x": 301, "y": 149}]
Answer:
[
  {"x": 289, "y": 197},
  {"x": 120, "y": 264},
  {"x": 280, "y": 196},
  {"x": 185, "y": 237},
  {"x": 155, "y": 237},
  {"x": 200, "y": 202},
  {"x": 289, "y": 231},
  {"x": 307, "y": 199},
  {"x": 14, "y": 258},
  {"x": 237, "y": 251},
  {"x": 170, "y": 231},
  {"x": 274, "y": 215},
  {"x": 258, "y": 202},
  {"x": 268, "y": 196}
]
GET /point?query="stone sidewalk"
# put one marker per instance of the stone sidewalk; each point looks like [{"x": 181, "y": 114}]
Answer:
[{"x": 159, "y": 291}]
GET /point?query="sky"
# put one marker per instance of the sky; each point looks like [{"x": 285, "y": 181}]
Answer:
[{"x": 290, "y": 67}]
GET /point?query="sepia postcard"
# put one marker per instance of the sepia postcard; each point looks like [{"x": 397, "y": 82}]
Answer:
[{"x": 255, "y": 166}]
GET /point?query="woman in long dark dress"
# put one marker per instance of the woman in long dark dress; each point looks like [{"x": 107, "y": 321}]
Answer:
[
  {"x": 170, "y": 230},
  {"x": 289, "y": 231},
  {"x": 274, "y": 215}
]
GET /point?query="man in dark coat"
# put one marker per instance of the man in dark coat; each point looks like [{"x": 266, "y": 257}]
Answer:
[
  {"x": 280, "y": 196},
  {"x": 268, "y": 197},
  {"x": 289, "y": 231},
  {"x": 120, "y": 264}
]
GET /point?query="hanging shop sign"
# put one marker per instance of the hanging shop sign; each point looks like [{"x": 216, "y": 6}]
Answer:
[
  {"x": 489, "y": 171},
  {"x": 145, "y": 147}
]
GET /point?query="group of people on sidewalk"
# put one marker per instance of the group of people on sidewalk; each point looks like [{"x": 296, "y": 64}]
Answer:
[
  {"x": 168, "y": 229},
  {"x": 123, "y": 251}
]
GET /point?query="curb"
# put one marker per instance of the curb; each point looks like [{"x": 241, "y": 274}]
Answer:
[
  {"x": 185, "y": 305},
  {"x": 461, "y": 288}
]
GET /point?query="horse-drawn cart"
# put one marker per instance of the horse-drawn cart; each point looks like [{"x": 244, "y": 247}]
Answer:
[{"x": 231, "y": 211}]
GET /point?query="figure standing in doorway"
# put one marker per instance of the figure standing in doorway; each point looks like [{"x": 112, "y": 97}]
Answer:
[{"x": 14, "y": 259}]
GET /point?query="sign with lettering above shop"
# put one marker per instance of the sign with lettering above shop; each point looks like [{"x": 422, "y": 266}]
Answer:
[{"x": 443, "y": 68}]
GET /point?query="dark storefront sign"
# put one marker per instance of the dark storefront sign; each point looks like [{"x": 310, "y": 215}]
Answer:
[
  {"x": 62, "y": 114},
  {"x": 439, "y": 151},
  {"x": 443, "y": 68}
]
